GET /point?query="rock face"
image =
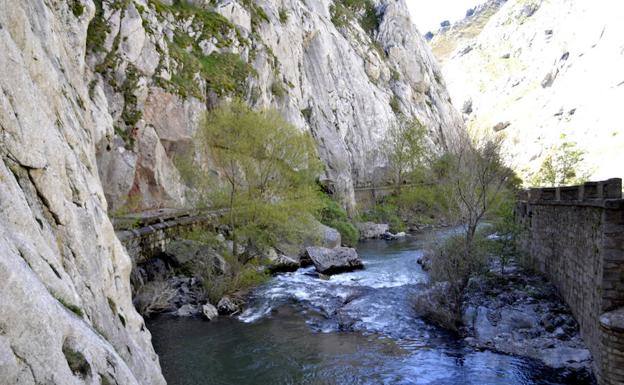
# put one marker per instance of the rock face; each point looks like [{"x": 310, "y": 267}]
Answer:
[
  {"x": 333, "y": 261},
  {"x": 344, "y": 83},
  {"x": 64, "y": 276},
  {"x": 533, "y": 64}
]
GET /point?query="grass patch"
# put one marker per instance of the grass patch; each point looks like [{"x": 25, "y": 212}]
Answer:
[
  {"x": 71, "y": 307},
  {"x": 76, "y": 361},
  {"x": 97, "y": 30},
  {"x": 395, "y": 104}
]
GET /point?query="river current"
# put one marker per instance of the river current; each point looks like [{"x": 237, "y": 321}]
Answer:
[{"x": 354, "y": 328}]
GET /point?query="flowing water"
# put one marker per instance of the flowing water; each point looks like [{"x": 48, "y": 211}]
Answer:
[{"x": 355, "y": 328}]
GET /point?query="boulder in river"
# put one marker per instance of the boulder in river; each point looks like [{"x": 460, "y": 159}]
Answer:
[
  {"x": 187, "y": 310},
  {"x": 370, "y": 230},
  {"x": 210, "y": 312},
  {"x": 280, "y": 263},
  {"x": 333, "y": 261},
  {"x": 226, "y": 306}
]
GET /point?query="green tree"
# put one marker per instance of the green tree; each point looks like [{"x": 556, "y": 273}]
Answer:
[
  {"x": 477, "y": 184},
  {"x": 268, "y": 170},
  {"x": 563, "y": 165},
  {"x": 406, "y": 149}
]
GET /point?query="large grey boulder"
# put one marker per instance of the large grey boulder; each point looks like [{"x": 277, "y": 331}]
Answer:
[
  {"x": 280, "y": 263},
  {"x": 209, "y": 312},
  {"x": 371, "y": 230},
  {"x": 333, "y": 261}
]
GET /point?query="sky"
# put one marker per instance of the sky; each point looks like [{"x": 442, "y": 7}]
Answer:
[{"x": 428, "y": 14}]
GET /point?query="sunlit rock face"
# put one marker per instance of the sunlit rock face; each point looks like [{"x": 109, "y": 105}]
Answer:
[
  {"x": 66, "y": 315},
  {"x": 539, "y": 71},
  {"x": 344, "y": 84}
]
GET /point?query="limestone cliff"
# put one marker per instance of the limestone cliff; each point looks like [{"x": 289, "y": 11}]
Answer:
[
  {"x": 343, "y": 72},
  {"x": 537, "y": 70},
  {"x": 66, "y": 315}
]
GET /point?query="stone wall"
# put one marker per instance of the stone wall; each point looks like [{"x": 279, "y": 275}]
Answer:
[
  {"x": 575, "y": 235},
  {"x": 149, "y": 233}
]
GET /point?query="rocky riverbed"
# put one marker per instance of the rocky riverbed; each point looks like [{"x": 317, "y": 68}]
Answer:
[
  {"x": 521, "y": 313},
  {"x": 194, "y": 278}
]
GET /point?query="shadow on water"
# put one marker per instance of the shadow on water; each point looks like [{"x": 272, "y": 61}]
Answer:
[{"x": 356, "y": 328}]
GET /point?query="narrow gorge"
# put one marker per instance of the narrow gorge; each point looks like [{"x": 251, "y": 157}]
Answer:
[{"x": 297, "y": 173}]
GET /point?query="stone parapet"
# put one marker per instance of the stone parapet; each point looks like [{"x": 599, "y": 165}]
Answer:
[{"x": 575, "y": 236}]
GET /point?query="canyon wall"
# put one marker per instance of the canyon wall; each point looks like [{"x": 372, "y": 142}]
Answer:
[
  {"x": 67, "y": 316},
  {"x": 345, "y": 75},
  {"x": 541, "y": 72}
]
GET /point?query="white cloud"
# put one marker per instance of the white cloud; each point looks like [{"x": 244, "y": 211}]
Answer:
[{"x": 428, "y": 14}]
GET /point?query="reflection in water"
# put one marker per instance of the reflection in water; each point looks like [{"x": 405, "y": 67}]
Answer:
[{"x": 356, "y": 328}]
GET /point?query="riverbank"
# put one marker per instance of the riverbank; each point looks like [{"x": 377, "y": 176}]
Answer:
[
  {"x": 200, "y": 274},
  {"x": 515, "y": 312},
  {"x": 352, "y": 328}
]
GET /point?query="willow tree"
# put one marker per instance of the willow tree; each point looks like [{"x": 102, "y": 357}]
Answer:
[
  {"x": 406, "y": 149},
  {"x": 268, "y": 170}
]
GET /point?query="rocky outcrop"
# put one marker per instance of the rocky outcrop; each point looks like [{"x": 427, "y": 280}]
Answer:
[
  {"x": 370, "y": 230},
  {"x": 334, "y": 261},
  {"x": 158, "y": 68},
  {"x": 66, "y": 315},
  {"x": 533, "y": 64}
]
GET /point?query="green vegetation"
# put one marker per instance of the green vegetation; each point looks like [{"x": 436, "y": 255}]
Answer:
[
  {"x": 268, "y": 168},
  {"x": 97, "y": 30},
  {"x": 406, "y": 149},
  {"x": 395, "y": 104},
  {"x": 130, "y": 114},
  {"x": 76, "y": 7},
  {"x": 277, "y": 88},
  {"x": 476, "y": 185},
  {"x": 333, "y": 215},
  {"x": 343, "y": 11},
  {"x": 71, "y": 307},
  {"x": 239, "y": 276},
  {"x": 562, "y": 166},
  {"x": 76, "y": 361},
  {"x": 258, "y": 15},
  {"x": 283, "y": 15}
]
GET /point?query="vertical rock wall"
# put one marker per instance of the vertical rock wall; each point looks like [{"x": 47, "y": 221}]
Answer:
[{"x": 66, "y": 315}]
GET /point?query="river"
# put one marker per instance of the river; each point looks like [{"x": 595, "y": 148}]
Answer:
[{"x": 355, "y": 328}]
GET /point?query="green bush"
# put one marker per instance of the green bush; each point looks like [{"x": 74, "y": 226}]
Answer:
[
  {"x": 76, "y": 7},
  {"x": 348, "y": 232},
  {"x": 385, "y": 212},
  {"x": 283, "y": 15},
  {"x": 342, "y": 11},
  {"x": 333, "y": 215}
]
